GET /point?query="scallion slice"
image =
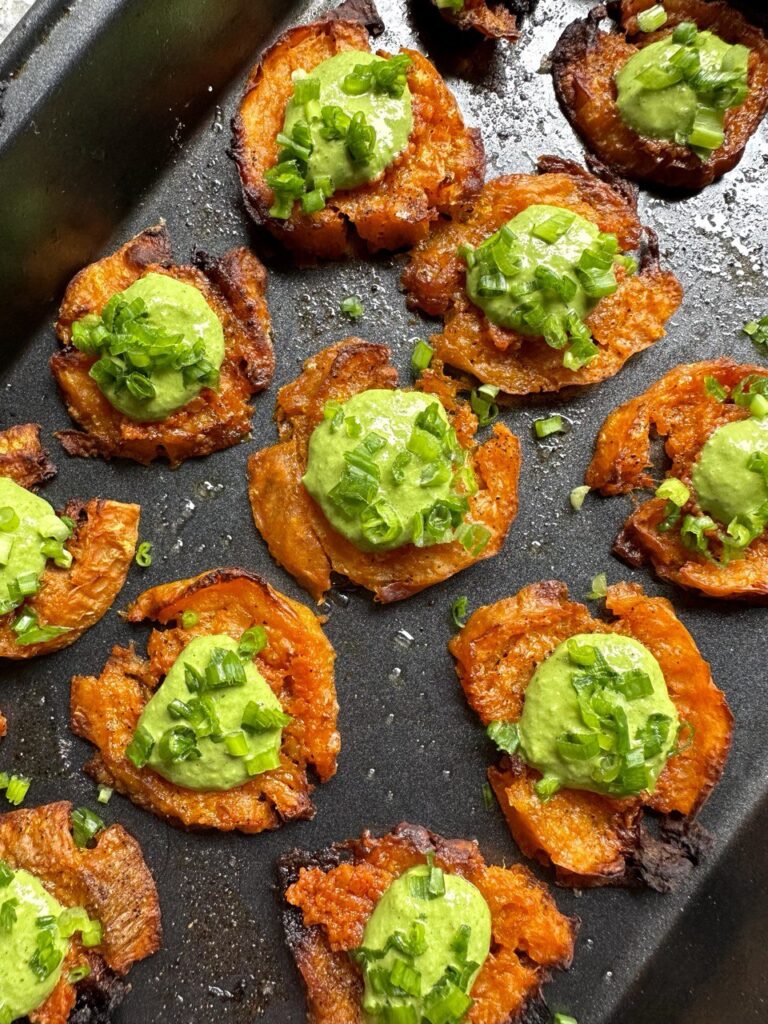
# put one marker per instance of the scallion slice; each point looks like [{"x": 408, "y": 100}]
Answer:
[
  {"x": 505, "y": 735},
  {"x": 546, "y": 426},
  {"x": 252, "y": 642},
  {"x": 459, "y": 610},
  {"x": 144, "y": 554},
  {"x": 85, "y": 826},
  {"x": 421, "y": 356},
  {"x": 263, "y": 762},
  {"x": 652, "y": 18},
  {"x": 140, "y": 748},
  {"x": 258, "y": 717},
  {"x": 577, "y": 496}
]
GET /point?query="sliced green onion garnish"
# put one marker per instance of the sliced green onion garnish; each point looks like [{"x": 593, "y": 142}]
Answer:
[
  {"x": 599, "y": 587},
  {"x": 104, "y": 794},
  {"x": 564, "y": 1018},
  {"x": 189, "y": 619},
  {"x": 78, "y": 973},
  {"x": 8, "y": 519},
  {"x": 16, "y": 789},
  {"x": 236, "y": 743},
  {"x": 8, "y": 914},
  {"x": 758, "y": 332},
  {"x": 488, "y": 799},
  {"x": 685, "y": 33},
  {"x": 505, "y": 735},
  {"x": 259, "y": 717},
  {"x": 673, "y": 490},
  {"x": 577, "y": 496},
  {"x": 546, "y": 787},
  {"x": 263, "y": 762},
  {"x": 6, "y": 874},
  {"x": 483, "y": 405},
  {"x": 144, "y": 554},
  {"x": 707, "y": 131},
  {"x": 85, "y": 826},
  {"x": 715, "y": 389},
  {"x": 554, "y": 227},
  {"x": 252, "y": 642},
  {"x": 139, "y": 749},
  {"x": 6, "y": 546},
  {"x": 548, "y": 425},
  {"x": 459, "y": 611},
  {"x": 652, "y": 18},
  {"x": 758, "y": 407},
  {"x": 421, "y": 356}
]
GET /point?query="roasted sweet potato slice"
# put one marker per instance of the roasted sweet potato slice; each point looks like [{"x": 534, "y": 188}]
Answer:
[
  {"x": 111, "y": 881},
  {"x": 3, "y": 725},
  {"x": 233, "y": 286},
  {"x": 678, "y": 408},
  {"x": 23, "y": 458},
  {"x": 102, "y": 547},
  {"x": 622, "y": 324},
  {"x": 495, "y": 19},
  {"x": 586, "y": 59},
  {"x": 299, "y": 536},
  {"x": 297, "y": 663},
  {"x": 440, "y": 168},
  {"x": 592, "y": 839},
  {"x": 330, "y": 895}
]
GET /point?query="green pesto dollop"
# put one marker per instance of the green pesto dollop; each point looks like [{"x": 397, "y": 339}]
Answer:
[
  {"x": 608, "y": 726},
  {"x": 25, "y": 982},
  {"x": 542, "y": 274},
  {"x": 725, "y": 486},
  {"x": 386, "y": 468},
  {"x": 160, "y": 344},
  {"x": 27, "y": 524},
  {"x": 390, "y": 116},
  {"x": 679, "y": 88},
  {"x": 213, "y": 767},
  {"x": 446, "y": 934}
]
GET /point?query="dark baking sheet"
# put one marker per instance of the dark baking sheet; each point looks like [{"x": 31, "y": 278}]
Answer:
[{"x": 116, "y": 114}]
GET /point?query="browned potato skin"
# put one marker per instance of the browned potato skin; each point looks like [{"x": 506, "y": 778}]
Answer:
[
  {"x": 299, "y": 536},
  {"x": 677, "y": 408},
  {"x": 329, "y": 896},
  {"x": 234, "y": 287},
  {"x": 297, "y": 663},
  {"x": 622, "y": 324},
  {"x": 492, "y": 20},
  {"x": 441, "y": 167},
  {"x": 592, "y": 839},
  {"x": 23, "y": 458},
  {"x": 585, "y": 60},
  {"x": 113, "y": 883}
]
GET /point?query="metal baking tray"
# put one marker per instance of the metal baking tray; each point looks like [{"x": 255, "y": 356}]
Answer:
[{"x": 115, "y": 114}]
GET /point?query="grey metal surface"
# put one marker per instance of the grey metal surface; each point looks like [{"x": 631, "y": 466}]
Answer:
[{"x": 109, "y": 125}]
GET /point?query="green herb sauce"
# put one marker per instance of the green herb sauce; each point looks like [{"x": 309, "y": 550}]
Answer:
[
  {"x": 725, "y": 487},
  {"x": 21, "y": 547},
  {"x": 409, "y": 474},
  {"x": 552, "y": 711},
  {"x": 215, "y": 768},
  {"x": 454, "y": 928},
  {"x": 669, "y": 89},
  {"x": 21, "y": 989},
  {"x": 178, "y": 320},
  {"x": 390, "y": 116}
]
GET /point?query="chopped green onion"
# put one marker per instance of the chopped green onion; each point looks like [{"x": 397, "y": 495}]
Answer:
[
  {"x": 548, "y": 425},
  {"x": 473, "y": 537},
  {"x": 599, "y": 587},
  {"x": 252, "y": 642},
  {"x": 305, "y": 88},
  {"x": 715, "y": 389},
  {"x": 487, "y": 796},
  {"x": 16, "y": 788},
  {"x": 577, "y": 496},
  {"x": 352, "y": 307},
  {"x": 554, "y": 227},
  {"x": 564, "y": 1018},
  {"x": 459, "y": 611},
  {"x": 546, "y": 787},
  {"x": 436, "y": 881},
  {"x": 9, "y": 520},
  {"x": 406, "y": 978},
  {"x": 139, "y": 749},
  {"x": 421, "y": 356},
  {"x": 144, "y": 554},
  {"x": 6, "y": 874},
  {"x": 85, "y": 826},
  {"x": 259, "y": 717},
  {"x": 685, "y": 33},
  {"x": 46, "y": 957},
  {"x": 707, "y": 132},
  {"x": 6, "y": 546},
  {"x": 8, "y": 914},
  {"x": 693, "y": 533},
  {"x": 104, "y": 794},
  {"x": 313, "y": 202},
  {"x": 236, "y": 743},
  {"x": 78, "y": 973},
  {"x": 445, "y": 1003},
  {"x": 651, "y": 19},
  {"x": 483, "y": 404},
  {"x": 673, "y": 490},
  {"x": 263, "y": 762},
  {"x": 505, "y": 735},
  {"x": 178, "y": 744},
  {"x": 758, "y": 332}
]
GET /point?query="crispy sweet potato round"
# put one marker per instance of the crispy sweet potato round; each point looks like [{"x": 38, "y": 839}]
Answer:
[
  {"x": 586, "y": 59},
  {"x": 622, "y": 324},
  {"x": 299, "y": 536},
  {"x": 297, "y": 663},
  {"x": 330, "y": 895},
  {"x": 678, "y": 408},
  {"x": 592, "y": 839},
  {"x": 112, "y": 882},
  {"x": 102, "y": 547},
  {"x": 440, "y": 168},
  {"x": 234, "y": 287},
  {"x": 495, "y": 19}
]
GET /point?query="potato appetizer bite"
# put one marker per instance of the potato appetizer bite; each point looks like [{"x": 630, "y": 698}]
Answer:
[
  {"x": 536, "y": 285},
  {"x": 385, "y": 486},
  {"x": 341, "y": 150},
  {"x": 495, "y": 19},
  {"x": 59, "y": 574},
  {"x": 160, "y": 360},
  {"x": 600, "y": 721},
  {"x": 76, "y": 913},
  {"x": 671, "y": 94},
  {"x": 411, "y": 926},
  {"x": 705, "y": 528},
  {"x": 218, "y": 727}
]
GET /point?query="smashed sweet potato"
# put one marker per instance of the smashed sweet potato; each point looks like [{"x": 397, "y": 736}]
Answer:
[
  {"x": 592, "y": 839},
  {"x": 442, "y": 165},
  {"x": 586, "y": 59},
  {"x": 299, "y": 536},
  {"x": 234, "y": 287},
  {"x": 102, "y": 547},
  {"x": 680, "y": 409},
  {"x": 495, "y": 19},
  {"x": 110, "y": 880},
  {"x": 23, "y": 458},
  {"x": 622, "y": 324},
  {"x": 297, "y": 663},
  {"x": 330, "y": 895}
]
